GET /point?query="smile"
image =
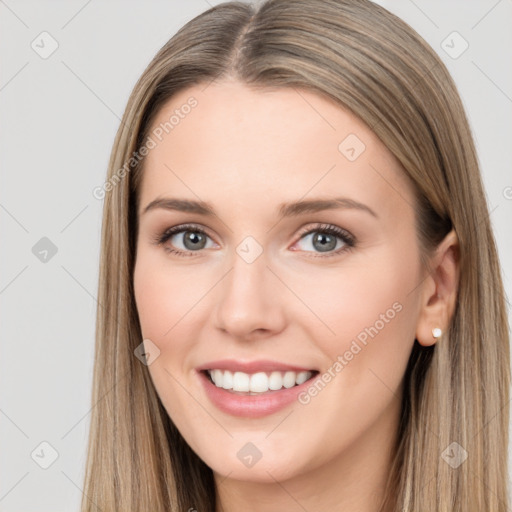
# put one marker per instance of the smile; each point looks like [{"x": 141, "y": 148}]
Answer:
[
  {"x": 257, "y": 383},
  {"x": 254, "y": 395}
]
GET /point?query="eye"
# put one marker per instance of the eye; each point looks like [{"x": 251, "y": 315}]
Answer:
[
  {"x": 191, "y": 237},
  {"x": 324, "y": 238}
]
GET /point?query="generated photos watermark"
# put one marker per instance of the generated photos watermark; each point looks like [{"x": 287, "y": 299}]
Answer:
[
  {"x": 157, "y": 135},
  {"x": 356, "y": 346}
]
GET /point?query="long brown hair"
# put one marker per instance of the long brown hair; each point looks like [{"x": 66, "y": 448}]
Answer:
[{"x": 371, "y": 62}]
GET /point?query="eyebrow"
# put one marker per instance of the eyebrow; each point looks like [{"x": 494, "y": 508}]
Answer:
[{"x": 285, "y": 209}]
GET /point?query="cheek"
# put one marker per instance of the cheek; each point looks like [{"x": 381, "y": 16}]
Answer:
[
  {"x": 356, "y": 293},
  {"x": 172, "y": 303},
  {"x": 163, "y": 295},
  {"x": 367, "y": 314}
]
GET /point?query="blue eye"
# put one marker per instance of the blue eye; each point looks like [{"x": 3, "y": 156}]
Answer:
[
  {"x": 325, "y": 238},
  {"x": 194, "y": 239}
]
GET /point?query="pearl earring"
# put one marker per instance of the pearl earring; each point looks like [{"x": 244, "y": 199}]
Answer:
[{"x": 437, "y": 333}]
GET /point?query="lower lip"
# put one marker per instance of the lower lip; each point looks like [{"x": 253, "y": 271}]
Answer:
[{"x": 252, "y": 406}]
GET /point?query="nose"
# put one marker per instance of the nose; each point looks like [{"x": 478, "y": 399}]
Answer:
[{"x": 251, "y": 303}]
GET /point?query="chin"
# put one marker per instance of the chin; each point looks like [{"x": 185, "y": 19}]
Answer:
[{"x": 266, "y": 466}]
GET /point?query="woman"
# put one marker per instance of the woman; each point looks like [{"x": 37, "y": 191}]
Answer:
[{"x": 300, "y": 298}]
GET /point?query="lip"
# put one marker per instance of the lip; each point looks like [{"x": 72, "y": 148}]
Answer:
[
  {"x": 261, "y": 365},
  {"x": 251, "y": 406}
]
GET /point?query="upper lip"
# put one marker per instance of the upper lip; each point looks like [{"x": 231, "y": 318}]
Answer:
[{"x": 260, "y": 365}]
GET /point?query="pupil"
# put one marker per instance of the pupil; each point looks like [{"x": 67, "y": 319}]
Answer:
[{"x": 324, "y": 246}]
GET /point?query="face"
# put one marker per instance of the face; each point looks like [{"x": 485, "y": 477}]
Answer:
[{"x": 273, "y": 285}]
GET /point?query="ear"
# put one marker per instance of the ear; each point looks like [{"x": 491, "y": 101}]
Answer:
[{"x": 439, "y": 290}]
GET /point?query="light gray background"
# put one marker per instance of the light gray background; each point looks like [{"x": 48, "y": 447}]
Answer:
[{"x": 58, "y": 119}]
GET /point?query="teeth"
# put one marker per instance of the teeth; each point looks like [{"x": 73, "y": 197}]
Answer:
[
  {"x": 240, "y": 381},
  {"x": 260, "y": 382}
]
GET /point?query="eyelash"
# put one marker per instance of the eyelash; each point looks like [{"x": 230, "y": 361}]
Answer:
[{"x": 348, "y": 239}]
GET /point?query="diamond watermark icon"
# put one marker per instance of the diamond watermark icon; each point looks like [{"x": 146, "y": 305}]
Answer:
[
  {"x": 44, "y": 455},
  {"x": 454, "y": 45},
  {"x": 454, "y": 455},
  {"x": 351, "y": 147},
  {"x": 249, "y": 249},
  {"x": 44, "y": 45},
  {"x": 44, "y": 250},
  {"x": 249, "y": 455},
  {"x": 147, "y": 352}
]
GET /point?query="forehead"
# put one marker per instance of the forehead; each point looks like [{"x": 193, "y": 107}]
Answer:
[{"x": 229, "y": 142}]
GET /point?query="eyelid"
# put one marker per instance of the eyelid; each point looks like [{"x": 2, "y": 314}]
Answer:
[
  {"x": 162, "y": 236},
  {"x": 338, "y": 231}
]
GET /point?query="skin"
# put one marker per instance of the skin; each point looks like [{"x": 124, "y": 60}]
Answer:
[{"x": 246, "y": 151}]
